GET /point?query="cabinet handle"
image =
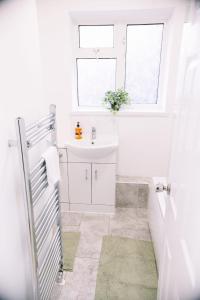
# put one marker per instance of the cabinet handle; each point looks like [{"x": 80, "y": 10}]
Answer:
[
  {"x": 96, "y": 174},
  {"x": 86, "y": 174}
]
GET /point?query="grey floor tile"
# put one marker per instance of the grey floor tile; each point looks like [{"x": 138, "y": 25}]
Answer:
[
  {"x": 71, "y": 219},
  {"x": 132, "y": 194},
  {"x": 131, "y": 223},
  {"x": 126, "y": 195},
  {"x": 82, "y": 283},
  {"x": 142, "y": 213},
  {"x": 127, "y": 215},
  {"x": 143, "y": 193},
  {"x": 124, "y": 215},
  {"x": 56, "y": 293},
  {"x": 70, "y": 228},
  {"x": 57, "y": 290},
  {"x": 96, "y": 224},
  {"x": 89, "y": 246}
]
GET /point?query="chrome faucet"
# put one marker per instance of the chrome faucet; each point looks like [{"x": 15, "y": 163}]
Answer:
[{"x": 93, "y": 134}]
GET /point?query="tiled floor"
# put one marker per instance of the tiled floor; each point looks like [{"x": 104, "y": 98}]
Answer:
[{"x": 127, "y": 222}]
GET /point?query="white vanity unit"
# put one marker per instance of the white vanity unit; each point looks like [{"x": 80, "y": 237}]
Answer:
[{"x": 88, "y": 171}]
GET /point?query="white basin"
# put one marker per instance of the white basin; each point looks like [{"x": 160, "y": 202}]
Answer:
[{"x": 96, "y": 149}]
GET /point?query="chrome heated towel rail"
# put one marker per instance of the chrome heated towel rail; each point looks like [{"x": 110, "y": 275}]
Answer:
[{"x": 45, "y": 227}]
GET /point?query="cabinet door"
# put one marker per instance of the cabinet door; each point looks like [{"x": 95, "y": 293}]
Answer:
[
  {"x": 103, "y": 184},
  {"x": 79, "y": 183},
  {"x": 63, "y": 183}
]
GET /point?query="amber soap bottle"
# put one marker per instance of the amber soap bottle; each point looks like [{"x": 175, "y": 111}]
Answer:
[{"x": 78, "y": 131}]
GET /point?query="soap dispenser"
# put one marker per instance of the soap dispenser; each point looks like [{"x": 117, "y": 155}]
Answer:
[{"x": 78, "y": 131}]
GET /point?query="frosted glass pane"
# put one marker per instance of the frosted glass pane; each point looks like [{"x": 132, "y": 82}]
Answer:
[
  {"x": 96, "y": 36},
  {"x": 143, "y": 62},
  {"x": 95, "y": 77}
]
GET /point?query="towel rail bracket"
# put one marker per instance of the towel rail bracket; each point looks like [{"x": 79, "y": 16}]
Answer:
[{"x": 12, "y": 143}]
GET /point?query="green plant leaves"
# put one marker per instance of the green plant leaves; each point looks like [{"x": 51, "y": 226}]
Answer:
[{"x": 115, "y": 99}]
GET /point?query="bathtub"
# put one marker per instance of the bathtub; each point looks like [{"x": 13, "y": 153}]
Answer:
[{"x": 156, "y": 214}]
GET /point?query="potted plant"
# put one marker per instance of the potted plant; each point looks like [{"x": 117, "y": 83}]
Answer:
[{"x": 114, "y": 100}]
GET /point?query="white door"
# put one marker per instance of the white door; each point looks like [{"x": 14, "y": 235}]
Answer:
[
  {"x": 79, "y": 183},
  {"x": 103, "y": 184},
  {"x": 180, "y": 269}
]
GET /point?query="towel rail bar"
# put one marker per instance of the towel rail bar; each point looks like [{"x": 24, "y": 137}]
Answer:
[
  {"x": 35, "y": 124},
  {"x": 47, "y": 123},
  {"x": 50, "y": 278},
  {"x": 44, "y": 239},
  {"x": 38, "y": 182},
  {"x": 37, "y": 132},
  {"x": 44, "y": 285},
  {"x": 42, "y": 235},
  {"x": 40, "y": 188},
  {"x": 38, "y": 165},
  {"x": 40, "y": 218},
  {"x": 38, "y": 174},
  {"x": 54, "y": 253},
  {"x": 46, "y": 216},
  {"x": 46, "y": 269},
  {"x": 50, "y": 288},
  {"x": 37, "y": 139},
  {"x": 40, "y": 195},
  {"x": 51, "y": 246}
]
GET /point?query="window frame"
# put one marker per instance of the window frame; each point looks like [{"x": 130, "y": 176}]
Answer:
[
  {"x": 94, "y": 25},
  {"x": 118, "y": 52}
]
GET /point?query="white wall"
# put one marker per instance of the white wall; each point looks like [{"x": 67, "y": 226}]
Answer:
[
  {"x": 20, "y": 95},
  {"x": 55, "y": 46},
  {"x": 144, "y": 140}
]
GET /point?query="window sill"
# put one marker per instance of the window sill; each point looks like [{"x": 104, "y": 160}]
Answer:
[{"x": 134, "y": 113}]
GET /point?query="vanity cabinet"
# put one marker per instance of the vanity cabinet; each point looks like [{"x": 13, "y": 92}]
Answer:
[
  {"x": 79, "y": 183},
  {"x": 103, "y": 184},
  {"x": 91, "y": 182}
]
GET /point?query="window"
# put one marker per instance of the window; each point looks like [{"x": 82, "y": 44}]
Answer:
[
  {"x": 126, "y": 56},
  {"x": 143, "y": 62},
  {"x": 95, "y": 77}
]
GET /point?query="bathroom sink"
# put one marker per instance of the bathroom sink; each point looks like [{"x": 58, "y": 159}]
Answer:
[{"x": 92, "y": 149}]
